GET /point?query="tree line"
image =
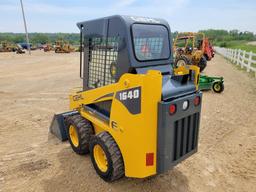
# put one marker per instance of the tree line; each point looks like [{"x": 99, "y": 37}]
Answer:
[
  {"x": 218, "y": 37},
  {"x": 40, "y": 38},
  {"x": 224, "y": 38}
]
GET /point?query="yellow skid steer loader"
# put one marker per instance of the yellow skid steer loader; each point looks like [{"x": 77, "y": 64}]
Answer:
[{"x": 135, "y": 115}]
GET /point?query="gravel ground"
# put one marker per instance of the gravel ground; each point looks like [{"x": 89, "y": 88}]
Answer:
[{"x": 33, "y": 88}]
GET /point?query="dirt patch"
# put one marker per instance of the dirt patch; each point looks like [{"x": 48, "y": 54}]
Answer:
[
  {"x": 81, "y": 171},
  {"x": 34, "y": 166},
  {"x": 245, "y": 165}
]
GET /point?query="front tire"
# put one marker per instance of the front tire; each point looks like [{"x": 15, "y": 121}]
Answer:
[
  {"x": 182, "y": 61},
  {"x": 79, "y": 131},
  {"x": 106, "y": 157}
]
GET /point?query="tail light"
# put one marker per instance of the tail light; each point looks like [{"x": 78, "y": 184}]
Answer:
[
  {"x": 197, "y": 101},
  {"x": 172, "y": 109},
  {"x": 149, "y": 159}
]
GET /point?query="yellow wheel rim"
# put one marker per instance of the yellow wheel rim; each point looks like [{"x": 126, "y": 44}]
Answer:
[
  {"x": 100, "y": 158},
  {"x": 73, "y": 136}
]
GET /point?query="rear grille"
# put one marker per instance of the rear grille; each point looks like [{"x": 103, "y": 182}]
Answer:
[{"x": 185, "y": 135}]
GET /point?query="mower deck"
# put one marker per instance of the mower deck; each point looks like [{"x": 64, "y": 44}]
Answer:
[{"x": 211, "y": 82}]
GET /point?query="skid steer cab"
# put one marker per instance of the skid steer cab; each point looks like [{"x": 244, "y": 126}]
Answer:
[{"x": 134, "y": 115}]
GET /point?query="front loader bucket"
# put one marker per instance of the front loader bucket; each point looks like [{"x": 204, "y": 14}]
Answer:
[{"x": 58, "y": 127}]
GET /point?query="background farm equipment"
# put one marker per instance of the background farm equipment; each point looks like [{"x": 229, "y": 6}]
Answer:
[
  {"x": 192, "y": 49},
  {"x": 63, "y": 47},
  {"x": 205, "y": 45},
  {"x": 47, "y": 47},
  {"x": 211, "y": 83},
  {"x": 20, "y": 51},
  {"x": 7, "y": 47},
  {"x": 25, "y": 45}
]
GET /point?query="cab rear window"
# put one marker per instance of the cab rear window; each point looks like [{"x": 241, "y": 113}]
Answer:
[{"x": 150, "y": 42}]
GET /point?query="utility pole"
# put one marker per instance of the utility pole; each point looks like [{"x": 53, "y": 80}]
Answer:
[{"x": 25, "y": 26}]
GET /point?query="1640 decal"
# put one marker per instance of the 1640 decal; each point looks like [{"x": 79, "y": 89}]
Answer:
[
  {"x": 131, "y": 94},
  {"x": 131, "y": 99}
]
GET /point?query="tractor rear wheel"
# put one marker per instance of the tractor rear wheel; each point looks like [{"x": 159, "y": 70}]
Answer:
[
  {"x": 79, "y": 131},
  {"x": 202, "y": 63},
  {"x": 106, "y": 157},
  {"x": 218, "y": 87},
  {"x": 182, "y": 61}
]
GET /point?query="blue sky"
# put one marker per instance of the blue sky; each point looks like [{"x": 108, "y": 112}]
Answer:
[{"x": 182, "y": 15}]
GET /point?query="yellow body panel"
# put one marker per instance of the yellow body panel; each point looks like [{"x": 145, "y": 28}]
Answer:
[{"x": 136, "y": 135}]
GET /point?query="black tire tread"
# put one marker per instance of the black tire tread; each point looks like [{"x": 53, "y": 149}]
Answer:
[
  {"x": 84, "y": 131},
  {"x": 115, "y": 156},
  {"x": 202, "y": 63}
]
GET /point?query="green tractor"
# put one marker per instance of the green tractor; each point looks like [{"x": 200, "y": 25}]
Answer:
[{"x": 211, "y": 83}]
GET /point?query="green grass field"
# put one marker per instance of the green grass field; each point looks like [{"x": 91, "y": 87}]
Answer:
[
  {"x": 243, "y": 45},
  {"x": 238, "y": 45}
]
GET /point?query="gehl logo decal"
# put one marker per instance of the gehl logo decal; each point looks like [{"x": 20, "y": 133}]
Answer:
[
  {"x": 144, "y": 19},
  {"x": 131, "y": 99},
  {"x": 77, "y": 97}
]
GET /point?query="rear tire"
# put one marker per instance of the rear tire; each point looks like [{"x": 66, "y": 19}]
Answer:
[
  {"x": 113, "y": 167},
  {"x": 202, "y": 63},
  {"x": 206, "y": 57},
  {"x": 79, "y": 131},
  {"x": 218, "y": 87}
]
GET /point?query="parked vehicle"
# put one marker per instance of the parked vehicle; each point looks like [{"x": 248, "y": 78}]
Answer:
[
  {"x": 211, "y": 83},
  {"x": 192, "y": 49}
]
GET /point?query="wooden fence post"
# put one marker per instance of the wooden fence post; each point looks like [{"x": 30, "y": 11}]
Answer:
[
  {"x": 243, "y": 59},
  {"x": 249, "y": 62},
  {"x": 238, "y": 57},
  {"x": 234, "y": 56}
]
